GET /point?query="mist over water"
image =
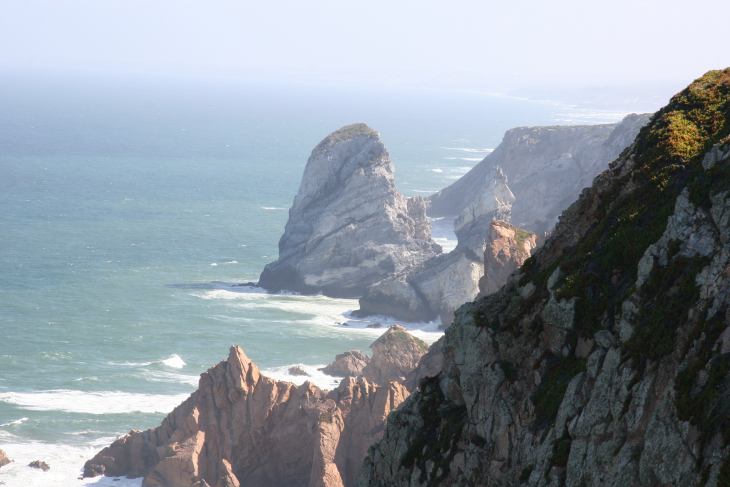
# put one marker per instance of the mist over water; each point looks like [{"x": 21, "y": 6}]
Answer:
[{"x": 131, "y": 207}]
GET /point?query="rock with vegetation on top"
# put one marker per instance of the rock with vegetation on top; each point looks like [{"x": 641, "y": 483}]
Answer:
[
  {"x": 507, "y": 249},
  {"x": 396, "y": 354},
  {"x": 242, "y": 428},
  {"x": 636, "y": 390},
  {"x": 349, "y": 227}
]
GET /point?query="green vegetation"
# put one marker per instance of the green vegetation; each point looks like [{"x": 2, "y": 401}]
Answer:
[
  {"x": 525, "y": 474},
  {"x": 667, "y": 296},
  {"x": 325, "y": 417},
  {"x": 601, "y": 269},
  {"x": 561, "y": 453},
  {"x": 345, "y": 133},
  {"x": 548, "y": 397},
  {"x": 438, "y": 439}
]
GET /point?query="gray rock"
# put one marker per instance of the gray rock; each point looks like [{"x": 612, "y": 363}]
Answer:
[
  {"x": 349, "y": 227},
  {"x": 547, "y": 168},
  {"x": 605, "y": 339}
]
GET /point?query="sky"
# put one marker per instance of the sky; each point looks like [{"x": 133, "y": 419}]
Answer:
[{"x": 476, "y": 45}]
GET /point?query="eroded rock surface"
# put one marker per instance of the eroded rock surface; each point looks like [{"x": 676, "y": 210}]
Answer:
[
  {"x": 349, "y": 227},
  {"x": 437, "y": 287},
  {"x": 347, "y": 364},
  {"x": 508, "y": 247},
  {"x": 242, "y": 428},
  {"x": 547, "y": 168}
]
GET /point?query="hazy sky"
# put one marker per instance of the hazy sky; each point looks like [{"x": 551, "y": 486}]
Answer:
[{"x": 456, "y": 43}]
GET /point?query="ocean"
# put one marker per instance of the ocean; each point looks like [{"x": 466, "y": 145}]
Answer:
[{"x": 130, "y": 206}]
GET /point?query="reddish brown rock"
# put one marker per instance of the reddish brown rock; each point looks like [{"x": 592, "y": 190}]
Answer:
[
  {"x": 395, "y": 355},
  {"x": 4, "y": 460},
  {"x": 507, "y": 248},
  {"x": 348, "y": 364},
  {"x": 242, "y": 428},
  {"x": 40, "y": 465}
]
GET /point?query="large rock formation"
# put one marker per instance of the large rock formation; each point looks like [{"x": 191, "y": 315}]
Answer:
[
  {"x": 349, "y": 227},
  {"x": 437, "y": 287},
  {"x": 607, "y": 360},
  {"x": 547, "y": 168},
  {"x": 242, "y": 428}
]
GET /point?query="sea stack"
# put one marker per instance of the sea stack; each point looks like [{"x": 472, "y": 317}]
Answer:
[{"x": 349, "y": 227}]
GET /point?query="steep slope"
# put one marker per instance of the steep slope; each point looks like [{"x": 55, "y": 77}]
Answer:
[
  {"x": 607, "y": 360},
  {"x": 547, "y": 167},
  {"x": 349, "y": 227}
]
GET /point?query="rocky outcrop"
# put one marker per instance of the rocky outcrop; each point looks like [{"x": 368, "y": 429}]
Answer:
[
  {"x": 547, "y": 168},
  {"x": 396, "y": 354},
  {"x": 348, "y": 364},
  {"x": 349, "y": 227},
  {"x": 40, "y": 465},
  {"x": 4, "y": 460},
  {"x": 606, "y": 361},
  {"x": 242, "y": 428},
  {"x": 507, "y": 249},
  {"x": 429, "y": 366},
  {"x": 436, "y": 288}
]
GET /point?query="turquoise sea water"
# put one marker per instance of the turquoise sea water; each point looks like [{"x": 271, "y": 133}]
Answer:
[{"x": 129, "y": 207}]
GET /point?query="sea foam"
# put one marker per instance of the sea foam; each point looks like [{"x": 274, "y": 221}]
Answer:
[{"x": 93, "y": 402}]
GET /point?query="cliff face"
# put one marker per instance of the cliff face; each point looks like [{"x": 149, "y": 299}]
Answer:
[
  {"x": 547, "y": 167},
  {"x": 435, "y": 288},
  {"x": 507, "y": 249},
  {"x": 349, "y": 227},
  {"x": 242, "y": 428},
  {"x": 606, "y": 361}
]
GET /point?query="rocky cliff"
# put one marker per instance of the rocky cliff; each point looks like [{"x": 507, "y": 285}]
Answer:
[
  {"x": 606, "y": 360},
  {"x": 508, "y": 247},
  {"x": 438, "y": 286},
  {"x": 547, "y": 167},
  {"x": 244, "y": 429},
  {"x": 349, "y": 227}
]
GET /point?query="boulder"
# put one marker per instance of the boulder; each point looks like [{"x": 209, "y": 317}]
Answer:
[
  {"x": 40, "y": 465},
  {"x": 348, "y": 364},
  {"x": 297, "y": 371},
  {"x": 349, "y": 227},
  {"x": 4, "y": 460}
]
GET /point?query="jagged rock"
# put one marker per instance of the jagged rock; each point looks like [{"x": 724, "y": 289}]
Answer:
[
  {"x": 297, "y": 371},
  {"x": 547, "y": 168},
  {"x": 507, "y": 248},
  {"x": 348, "y": 364},
  {"x": 396, "y": 354},
  {"x": 242, "y": 428},
  {"x": 518, "y": 402},
  {"x": 436, "y": 288},
  {"x": 349, "y": 227},
  {"x": 93, "y": 470},
  {"x": 40, "y": 465},
  {"x": 4, "y": 460},
  {"x": 375, "y": 325}
]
